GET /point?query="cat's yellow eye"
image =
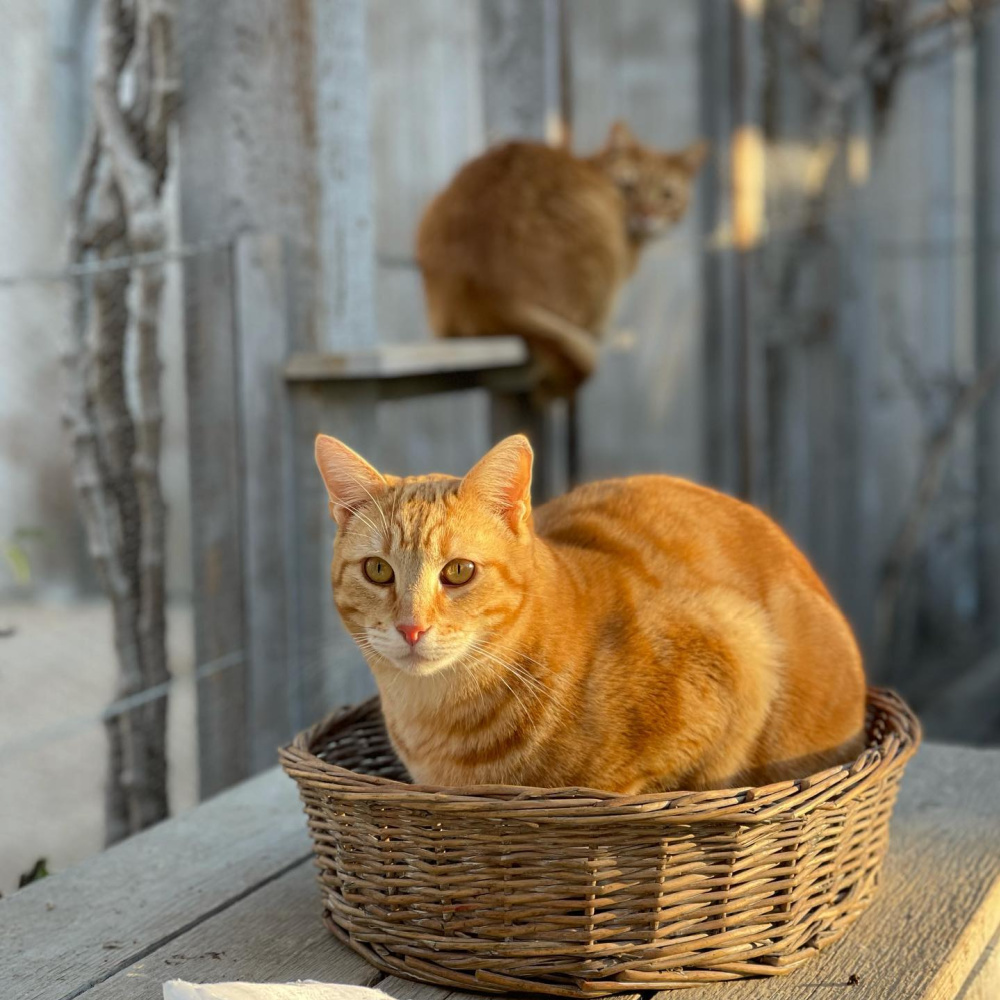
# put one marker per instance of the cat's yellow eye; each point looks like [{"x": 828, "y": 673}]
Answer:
[
  {"x": 457, "y": 572},
  {"x": 378, "y": 570}
]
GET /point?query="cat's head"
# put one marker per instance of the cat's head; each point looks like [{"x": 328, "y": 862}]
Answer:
[
  {"x": 427, "y": 570},
  {"x": 656, "y": 186}
]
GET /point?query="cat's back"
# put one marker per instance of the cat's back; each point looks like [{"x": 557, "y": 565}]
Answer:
[
  {"x": 521, "y": 196},
  {"x": 678, "y": 530}
]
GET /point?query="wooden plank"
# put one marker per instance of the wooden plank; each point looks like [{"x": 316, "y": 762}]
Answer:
[
  {"x": 423, "y": 56},
  {"x": 643, "y": 410},
  {"x": 401, "y": 360},
  {"x": 719, "y": 274},
  {"x": 500, "y": 380},
  {"x": 987, "y": 319},
  {"x": 249, "y": 116},
  {"x": 984, "y": 981},
  {"x": 848, "y": 481},
  {"x": 60, "y": 936},
  {"x": 747, "y": 174},
  {"x": 217, "y": 557},
  {"x": 329, "y": 669},
  {"x": 268, "y": 494},
  {"x": 347, "y": 238},
  {"x": 938, "y": 906},
  {"x": 522, "y": 100},
  {"x": 274, "y": 935},
  {"x": 516, "y": 82}
]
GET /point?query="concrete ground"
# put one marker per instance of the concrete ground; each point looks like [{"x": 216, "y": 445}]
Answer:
[{"x": 57, "y": 674}]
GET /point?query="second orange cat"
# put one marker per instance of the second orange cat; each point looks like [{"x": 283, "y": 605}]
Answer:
[
  {"x": 633, "y": 635},
  {"x": 533, "y": 240}
]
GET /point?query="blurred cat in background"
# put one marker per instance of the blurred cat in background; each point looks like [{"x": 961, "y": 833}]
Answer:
[
  {"x": 529, "y": 239},
  {"x": 633, "y": 635}
]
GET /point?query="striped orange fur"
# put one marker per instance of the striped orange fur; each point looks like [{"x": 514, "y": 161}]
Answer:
[{"x": 634, "y": 635}]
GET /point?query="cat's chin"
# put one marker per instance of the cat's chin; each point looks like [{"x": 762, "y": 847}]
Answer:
[
  {"x": 650, "y": 229},
  {"x": 415, "y": 665}
]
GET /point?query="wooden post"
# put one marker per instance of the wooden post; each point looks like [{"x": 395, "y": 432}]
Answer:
[
  {"x": 746, "y": 180},
  {"x": 523, "y": 70},
  {"x": 846, "y": 486},
  {"x": 734, "y": 353},
  {"x": 330, "y": 669},
  {"x": 987, "y": 320},
  {"x": 248, "y": 159},
  {"x": 217, "y": 557},
  {"x": 515, "y": 78},
  {"x": 267, "y": 489},
  {"x": 722, "y": 371}
]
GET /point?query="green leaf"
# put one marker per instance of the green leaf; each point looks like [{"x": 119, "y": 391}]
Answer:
[
  {"x": 39, "y": 871},
  {"x": 17, "y": 560}
]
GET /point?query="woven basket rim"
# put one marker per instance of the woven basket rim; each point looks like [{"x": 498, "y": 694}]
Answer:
[{"x": 742, "y": 803}]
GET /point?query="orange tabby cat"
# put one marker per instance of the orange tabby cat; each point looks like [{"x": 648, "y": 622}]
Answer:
[
  {"x": 532, "y": 240},
  {"x": 633, "y": 635}
]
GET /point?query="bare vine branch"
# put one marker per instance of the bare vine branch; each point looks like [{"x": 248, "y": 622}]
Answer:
[
  {"x": 116, "y": 212},
  {"x": 892, "y": 40},
  {"x": 907, "y": 543}
]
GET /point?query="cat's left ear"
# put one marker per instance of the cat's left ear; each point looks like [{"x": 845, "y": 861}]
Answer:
[
  {"x": 620, "y": 137},
  {"x": 502, "y": 480},
  {"x": 692, "y": 157},
  {"x": 350, "y": 481}
]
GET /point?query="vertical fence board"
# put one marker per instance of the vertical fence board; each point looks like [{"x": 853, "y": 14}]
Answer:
[
  {"x": 719, "y": 274},
  {"x": 268, "y": 532},
  {"x": 987, "y": 322},
  {"x": 427, "y": 119},
  {"x": 642, "y": 410},
  {"x": 517, "y": 53},
  {"x": 921, "y": 348},
  {"x": 851, "y": 555},
  {"x": 330, "y": 669},
  {"x": 247, "y": 160},
  {"x": 515, "y": 78},
  {"x": 217, "y": 558},
  {"x": 747, "y": 175}
]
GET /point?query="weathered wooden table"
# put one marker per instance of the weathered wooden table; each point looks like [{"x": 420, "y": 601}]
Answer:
[{"x": 228, "y": 892}]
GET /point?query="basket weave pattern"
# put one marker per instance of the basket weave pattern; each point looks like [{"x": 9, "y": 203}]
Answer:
[{"x": 581, "y": 893}]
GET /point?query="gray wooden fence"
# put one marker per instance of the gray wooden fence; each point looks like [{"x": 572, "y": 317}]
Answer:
[{"x": 809, "y": 358}]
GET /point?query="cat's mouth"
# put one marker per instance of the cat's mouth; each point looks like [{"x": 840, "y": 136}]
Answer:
[
  {"x": 420, "y": 660},
  {"x": 418, "y": 665},
  {"x": 421, "y": 663},
  {"x": 649, "y": 227}
]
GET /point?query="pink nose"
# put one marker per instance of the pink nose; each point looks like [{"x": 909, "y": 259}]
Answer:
[{"x": 411, "y": 633}]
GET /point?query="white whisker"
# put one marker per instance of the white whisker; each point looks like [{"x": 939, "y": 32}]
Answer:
[
  {"x": 529, "y": 683},
  {"x": 358, "y": 482},
  {"x": 534, "y": 685},
  {"x": 358, "y": 513}
]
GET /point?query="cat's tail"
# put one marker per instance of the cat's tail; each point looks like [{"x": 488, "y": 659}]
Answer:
[{"x": 543, "y": 329}]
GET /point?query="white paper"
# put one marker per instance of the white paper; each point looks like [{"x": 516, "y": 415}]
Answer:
[{"x": 303, "y": 990}]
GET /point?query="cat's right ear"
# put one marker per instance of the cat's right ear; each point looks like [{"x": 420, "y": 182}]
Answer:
[
  {"x": 350, "y": 481},
  {"x": 502, "y": 480},
  {"x": 692, "y": 157}
]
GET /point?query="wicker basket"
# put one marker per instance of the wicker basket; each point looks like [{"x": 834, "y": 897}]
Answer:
[{"x": 582, "y": 893}]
